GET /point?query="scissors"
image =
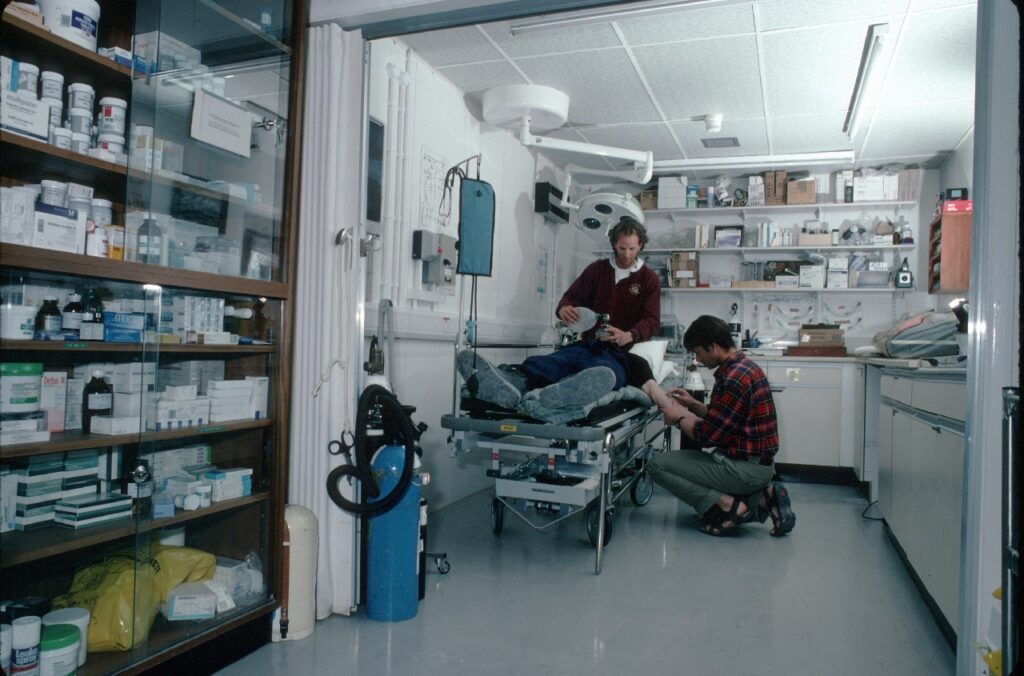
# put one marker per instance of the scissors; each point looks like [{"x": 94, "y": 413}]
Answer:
[{"x": 342, "y": 446}]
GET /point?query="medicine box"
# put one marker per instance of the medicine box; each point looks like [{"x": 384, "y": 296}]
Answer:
[
  {"x": 190, "y": 601},
  {"x": 108, "y": 424},
  {"x": 803, "y": 191},
  {"x": 259, "y": 399},
  {"x": 133, "y": 377},
  {"x": 53, "y": 392},
  {"x": 812, "y": 276},
  {"x": 837, "y": 279},
  {"x": 59, "y": 229},
  {"x": 672, "y": 192},
  {"x": 25, "y": 115},
  {"x": 73, "y": 404}
]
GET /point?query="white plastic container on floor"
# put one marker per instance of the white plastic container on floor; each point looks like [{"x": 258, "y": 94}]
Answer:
[{"x": 301, "y": 549}]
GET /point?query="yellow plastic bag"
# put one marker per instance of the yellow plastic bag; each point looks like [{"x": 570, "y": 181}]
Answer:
[{"x": 124, "y": 591}]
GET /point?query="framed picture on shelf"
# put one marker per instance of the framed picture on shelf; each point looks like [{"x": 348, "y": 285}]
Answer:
[{"x": 728, "y": 236}]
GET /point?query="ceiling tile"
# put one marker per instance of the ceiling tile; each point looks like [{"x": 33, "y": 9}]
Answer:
[
  {"x": 654, "y": 137},
  {"x": 618, "y": 96},
  {"x": 781, "y": 14},
  {"x": 696, "y": 78},
  {"x": 916, "y": 130},
  {"x": 751, "y": 134},
  {"x": 453, "y": 45},
  {"x": 691, "y": 23},
  {"x": 552, "y": 40},
  {"x": 809, "y": 133},
  {"x": 813, "y": 70},
  {"x": 478, "y": 77},
  {"x": 936, "y": 50}
]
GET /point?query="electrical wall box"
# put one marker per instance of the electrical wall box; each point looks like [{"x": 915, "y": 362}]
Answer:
[
  {"x": 546, "y": 199},
  {"x": 437, "y": 252}
]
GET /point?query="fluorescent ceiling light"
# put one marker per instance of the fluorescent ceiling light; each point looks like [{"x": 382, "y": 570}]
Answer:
[
  {"x": 832, "y": 157},
  {"x": 599, "y": 16},
  {"x": 865, "y": 87}
]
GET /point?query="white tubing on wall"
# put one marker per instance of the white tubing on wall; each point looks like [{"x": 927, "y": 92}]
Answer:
[
  {"x": 402, "y": 261},
  {"x": 390, "y": 229}
]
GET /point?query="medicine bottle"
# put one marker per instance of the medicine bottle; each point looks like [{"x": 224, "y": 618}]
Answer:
[
  {"x": 139, "y": 486},
  {"x": 97, "y": 399},
  {"x": 91, "y": 327},
  {"x": 150, "y": 242},
  {"x": 71, "y": 317},
  {"x": 48, "y": 319}
]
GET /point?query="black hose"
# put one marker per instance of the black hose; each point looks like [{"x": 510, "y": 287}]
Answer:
[{"x": 361, "y": 470}]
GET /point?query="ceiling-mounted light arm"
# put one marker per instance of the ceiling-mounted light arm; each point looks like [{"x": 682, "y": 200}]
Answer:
[
  {"x": 866, "y": 74},
  {"x": 642, "y": 161},
  {"x": 827, "y": 158}
]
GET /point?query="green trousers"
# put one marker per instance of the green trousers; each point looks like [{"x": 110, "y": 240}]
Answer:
[{"x": 699, "y": 478}]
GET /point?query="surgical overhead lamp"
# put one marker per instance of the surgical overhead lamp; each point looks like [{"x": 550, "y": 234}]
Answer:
[{"x": 600, "y": 211}]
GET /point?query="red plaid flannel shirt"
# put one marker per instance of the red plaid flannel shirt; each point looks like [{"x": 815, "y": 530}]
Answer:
[{"x": 741, "y": 416}]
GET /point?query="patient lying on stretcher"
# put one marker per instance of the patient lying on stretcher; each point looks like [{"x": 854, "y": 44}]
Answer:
[{"x": 570, "y": 398}]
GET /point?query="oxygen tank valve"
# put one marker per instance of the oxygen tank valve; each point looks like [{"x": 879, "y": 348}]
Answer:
[{"x": 375, "y": 365}]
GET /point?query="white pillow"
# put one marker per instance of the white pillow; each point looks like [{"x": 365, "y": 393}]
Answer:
[{"x": 654, "y": 352}]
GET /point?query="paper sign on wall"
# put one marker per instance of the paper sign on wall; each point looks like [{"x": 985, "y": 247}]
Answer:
[{"x": 221, "y": 123}]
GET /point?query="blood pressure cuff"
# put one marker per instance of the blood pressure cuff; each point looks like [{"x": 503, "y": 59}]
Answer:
[{"x": 476, "y": 228}]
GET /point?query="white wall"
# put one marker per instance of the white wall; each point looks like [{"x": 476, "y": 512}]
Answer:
[
  {"x": 514, "y": 304},
  {"x": 958, "y": 169}
]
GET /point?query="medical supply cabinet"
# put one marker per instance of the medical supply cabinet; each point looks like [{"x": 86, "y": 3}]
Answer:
[{"x": 195, "y": 337}]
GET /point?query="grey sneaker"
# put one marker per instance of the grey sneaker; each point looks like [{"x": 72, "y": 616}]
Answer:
[
  {"x": 485, "y": 381},
  {"x": 579, "y": 389}
]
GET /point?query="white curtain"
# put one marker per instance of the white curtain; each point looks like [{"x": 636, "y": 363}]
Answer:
[{"x": 324, "y": 374}]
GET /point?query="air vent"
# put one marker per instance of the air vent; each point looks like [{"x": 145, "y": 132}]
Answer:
[{"x": 721, "y": 142}]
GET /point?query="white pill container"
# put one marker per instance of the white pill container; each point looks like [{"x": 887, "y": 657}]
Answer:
[
  {"x": 80, "y": 204},
  {"x": 28, "y": 78},
  {"x": 102, "y": 211},
  {"x": 19, "y": 386},
  {"x": 81, "y": 95},
  {"x": 76, "y": 616},
  {"x": 113, "y": 112},
  {"x": 74, "y": 20},
  {"x": 80, "y": 143},
  {"x": 55, "y": 193},
  {"x": 60, "y": 137},
  {"x": 17, "y": 322},
  {"x": 51, "y": 85},
  {"x": 56, "y": 110},
  {"x": 58, "y": 649},
  {"x": 112, "y": 142},
  {"x": 80, "y": 120}
]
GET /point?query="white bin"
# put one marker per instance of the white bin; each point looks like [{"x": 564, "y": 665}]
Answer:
[{"x": 299, "y": 551}]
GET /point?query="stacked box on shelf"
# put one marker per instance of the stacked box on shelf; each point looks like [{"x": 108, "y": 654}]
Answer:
[
  {"x": 170, "y": 462},
  {"x": 672, "y": 192},
  {"x": 8, "y": 497},
  {"x": 39, "y": 485},
  {"x": 81, "y": 473},
  {"x": 683, "y": 270},
  {"x": 774, "y": 187},
  {"x": 838, "y": 274},
  {"x": 92, "y": 510},
  {"x": 230, "y": 399},
  {"x": 23, "y": 428},
  {"x": 229, "y": 483},
  {"x": 180, "y": 413},
  {"x": 198, "y": 372}
]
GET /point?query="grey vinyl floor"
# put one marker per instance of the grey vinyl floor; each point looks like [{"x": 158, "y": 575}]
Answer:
[{"x": 831, "y": 598}]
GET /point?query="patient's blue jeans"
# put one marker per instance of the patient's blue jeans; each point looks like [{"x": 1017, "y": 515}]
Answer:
[{"x": 550, "y": 368}]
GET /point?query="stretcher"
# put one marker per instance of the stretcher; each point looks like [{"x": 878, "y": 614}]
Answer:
[{"x": 545, "y": 473}]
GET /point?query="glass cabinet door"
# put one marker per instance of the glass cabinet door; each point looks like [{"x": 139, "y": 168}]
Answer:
[{"x": 207, "y": 139}]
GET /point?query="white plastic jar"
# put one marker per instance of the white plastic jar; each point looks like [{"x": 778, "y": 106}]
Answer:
[
  {"x": 113, "y": 112},
  {"x": 55, "y": 193},
  {"x": 19, "y": 386},
  {"x": 56, "y": 110},
  {"x": 80, "y": 120},
  {"x": 80, "y": 204},
  {"x": 78, "y": 617},
  {"x": 112, "y": 142},
  {"x": 51, "y": 85},
  {"x": 80, "y": 143},
  {"x": 102, "y": 211},
  {"x": 28, "y": 78},
  {"x": 17, "y": 322},
  {"x": 58, "y": 649},
  {"x": 81, "y": 95},
  {"x": 74, "y": 20},
  {"x": 60, "y": 137}
]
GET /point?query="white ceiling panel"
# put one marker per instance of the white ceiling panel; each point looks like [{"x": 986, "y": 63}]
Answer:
[
  {"x": 751, "y": 134},
  {"x": 602, "y": 85},
  {"x": 453, "y": 45},
  {"x": 809, "y": 133},
  {"x": 478, "y": 77},
  {"x": 552, "y": 40},
  {"x": 696, "y": 78},
  {"x": 922, "y": 129},
  {"x": 936, "y": 58},
  {"x": 635, "y": 137},
  {"x": 812, "y": 70},
  {"x": 688, "y": 24},
  {"x": 781, "y": 14}
]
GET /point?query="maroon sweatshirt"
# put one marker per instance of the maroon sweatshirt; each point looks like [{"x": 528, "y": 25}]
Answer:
[{"x": 634, "y": 303}]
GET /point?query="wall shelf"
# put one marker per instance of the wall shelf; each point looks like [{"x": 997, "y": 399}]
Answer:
[{"x": 743, "y": 212}]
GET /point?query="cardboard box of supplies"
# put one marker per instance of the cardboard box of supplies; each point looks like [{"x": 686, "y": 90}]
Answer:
[
  {"x": 821, "y": 335},
  {"x": 803, "y": 191},
  {"x": 683, "y": 270},
  {"x": 774, "y": 187}
]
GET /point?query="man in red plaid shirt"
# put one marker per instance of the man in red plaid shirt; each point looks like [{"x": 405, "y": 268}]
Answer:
[{"x": 733, "y": 483}]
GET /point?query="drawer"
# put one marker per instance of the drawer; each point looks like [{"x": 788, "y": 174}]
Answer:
[
  {"x": 946, "y": 399},
  {"x": 896, "y": 388},
  {"x": 780, "y": 375}
]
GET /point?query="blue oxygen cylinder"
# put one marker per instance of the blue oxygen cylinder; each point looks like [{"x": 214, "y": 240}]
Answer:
[{"x": 392, "y": 575}]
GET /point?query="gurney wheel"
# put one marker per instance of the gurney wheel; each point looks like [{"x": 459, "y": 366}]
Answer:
[
  {"x": 642, "y": 489},
  {"x": 593, "y": 525},
  {"x": 497, "y": 516}
]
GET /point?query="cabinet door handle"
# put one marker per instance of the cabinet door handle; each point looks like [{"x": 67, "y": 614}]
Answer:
[
  {"x": 937, "y": 429},
  {"x": 778, "y": 389}
]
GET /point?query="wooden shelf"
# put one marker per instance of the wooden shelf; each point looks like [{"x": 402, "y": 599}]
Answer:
[
  {"x": 86, "y": 347},
  {"x": 22, "y": 547},
  {"x": 265, "y": 210},
  {"x": 76, "y": 440},
  {"x": 31, "y": 161},
  {"x": 62, "y": 263}
]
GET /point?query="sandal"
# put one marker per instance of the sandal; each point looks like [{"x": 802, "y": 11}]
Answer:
[
  {"x": 720, "y": 523},
  {"x": 780, "y": 508}
]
